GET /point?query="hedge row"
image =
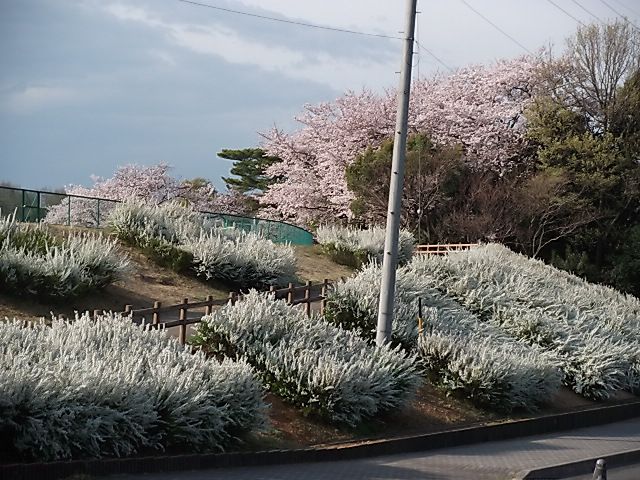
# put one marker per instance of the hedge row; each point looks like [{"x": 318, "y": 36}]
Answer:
[
  {"x": 107, "y": 387},
  {"x": 183, "y": 239},
  {"x": 591, "y": 329},
  {"x": 325, "y": 370},
  {"x": 462, "y": 353},
  {"x": 34, "y": 262}
]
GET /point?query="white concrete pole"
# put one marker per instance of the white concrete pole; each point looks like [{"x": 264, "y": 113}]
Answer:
[{"x": 390, "y": 260}]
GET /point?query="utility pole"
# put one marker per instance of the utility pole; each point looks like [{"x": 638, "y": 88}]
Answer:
[{"x": 390, "y": 260}]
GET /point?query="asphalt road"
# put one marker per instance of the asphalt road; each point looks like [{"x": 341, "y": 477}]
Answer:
[{"x": 487, "y": 461}]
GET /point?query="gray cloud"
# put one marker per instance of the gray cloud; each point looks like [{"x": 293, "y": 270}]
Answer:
[{"x": 83, "y": 90}]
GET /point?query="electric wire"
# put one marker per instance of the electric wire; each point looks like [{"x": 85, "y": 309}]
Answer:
[
  {"x": 566, "y": 13},
  {"x": 627, "y": 7},
  {"x": 433, "y": 55},
  {"x": 291, "y": 22},
  {"x": 497, "y": 27},
  {"x": 311, "y": 25},
  {"x": 621, "y": 15},
  {"x": 584, "y": 9}
]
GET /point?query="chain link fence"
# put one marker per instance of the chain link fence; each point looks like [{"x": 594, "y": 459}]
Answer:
[{"x": 79, "y": 211}]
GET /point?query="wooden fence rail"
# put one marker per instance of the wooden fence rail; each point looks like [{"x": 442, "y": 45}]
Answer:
[
  {"x": 301, "y": 295},
  {"x": 444, "y": 248}
]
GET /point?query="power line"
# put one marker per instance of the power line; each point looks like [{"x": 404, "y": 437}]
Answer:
[
  {"x": 565, "y": 12},
  {"x": 291, "y": 22},
  {"x": 583, "y": 8},
  {"x": 497, "y": 27},
  {"x": 621, "y": 15},
  {"x": 627, "y": 7},
  {"x": 433, "y": 55}
]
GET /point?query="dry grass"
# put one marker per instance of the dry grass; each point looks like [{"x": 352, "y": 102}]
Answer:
[{"x": 315, "y": 266}]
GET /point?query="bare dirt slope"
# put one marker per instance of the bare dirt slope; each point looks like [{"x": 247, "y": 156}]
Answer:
[{"x": 315, "y": 266}]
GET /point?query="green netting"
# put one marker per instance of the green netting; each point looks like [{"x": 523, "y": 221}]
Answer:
[
  {"x": 58, "y": 208},
  {"x": 279, "y": 232}
]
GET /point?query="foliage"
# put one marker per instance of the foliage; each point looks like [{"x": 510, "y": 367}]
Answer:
[
  {"x": 107, "y": 387},
  {"x": 355, "y": 247},
  {"x": 461, "y": 353},
  {"x": 33, "y": 238},
  {"x": 136, "y": 222},
  {"x": 249, "y": 164},
  {"x": 479, "y": 108},
  {"x": 325, "y": 370},
  {"x": 626, "y": 271},
  {"x": 598, "y": 60},
  {"x": 181, "y": 238},
  {"x": 586, "y": 129},
  {"x": 167, "y": 255},
  {"x": 34, "y": 262},
  {"x": 490, "y": 376},
  {"x": 592, "y": 329},
  {"x": 246, "y": 261},
  {"x": 433, "y": 173}
]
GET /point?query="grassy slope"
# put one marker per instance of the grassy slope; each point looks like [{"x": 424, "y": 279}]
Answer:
[{"x": 430, "y": 411}]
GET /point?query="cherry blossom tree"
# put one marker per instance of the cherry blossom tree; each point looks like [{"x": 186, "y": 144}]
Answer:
[
  {"x": 480, "y": 108},
  {"x": 152, "y": 184}
]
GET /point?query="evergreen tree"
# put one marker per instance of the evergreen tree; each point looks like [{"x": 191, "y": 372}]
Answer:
[{"x": 249, "y": 165}]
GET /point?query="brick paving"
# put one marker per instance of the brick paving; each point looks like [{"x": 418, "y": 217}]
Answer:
[{"x": 491, "y": 460}]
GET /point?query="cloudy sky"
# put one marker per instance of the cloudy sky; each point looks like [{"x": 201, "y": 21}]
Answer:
[{"x": 88, "y": 85}]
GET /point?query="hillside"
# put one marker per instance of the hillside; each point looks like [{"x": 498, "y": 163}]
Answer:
[
  {"x": 148, "y": 283},
  {"x": 432, "y": 409}
]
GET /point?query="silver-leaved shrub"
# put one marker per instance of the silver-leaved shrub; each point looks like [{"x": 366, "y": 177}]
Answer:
[
  {"x": 356, "y": 247},
  {"x": 490, "y": 374},
  {"x": 107, "y": 387},
  {"x": 247, "y": 260},
  {"x": 321, "y": 368},
  {"x": 177, "y": 236},
  {"x": 592, "y": 329},
  {"x": 461, "y": 353},
  {"x": 34, "y": 262}
]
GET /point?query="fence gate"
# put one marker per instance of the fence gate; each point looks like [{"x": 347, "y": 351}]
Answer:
[{"x": 30, "y": 206}]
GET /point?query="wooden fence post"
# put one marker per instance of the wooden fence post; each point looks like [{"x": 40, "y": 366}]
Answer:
[
  {"x": 182, "y": 338},
  {"x": 95, "y": 314},
  {"x": 323, "y": 292},
  {"x": 209, "y": 308},
  {"x": 156, "y": 315},
  {"x": 127, "y": 311},
  {"x": 290, "y": 294},
  {"x": 307, "y": 296},
  {"x": 232, "y": 298}
]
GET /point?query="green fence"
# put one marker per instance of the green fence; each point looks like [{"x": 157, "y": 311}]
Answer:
[
  {"x": 279, "y": 232},
  {"x": 76, "y": 210}
]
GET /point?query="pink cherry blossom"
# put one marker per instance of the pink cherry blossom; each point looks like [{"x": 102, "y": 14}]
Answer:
[{"x": 480, "y": 108}]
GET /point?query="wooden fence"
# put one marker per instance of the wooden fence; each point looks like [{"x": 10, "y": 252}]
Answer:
[
  {"x": 444, "y": 248},
  {"x": 302, "y": 295}
]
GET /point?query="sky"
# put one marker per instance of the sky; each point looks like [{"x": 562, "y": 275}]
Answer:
[{"x": 90, "y": 85}]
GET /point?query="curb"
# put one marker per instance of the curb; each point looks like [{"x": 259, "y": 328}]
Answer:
[
  {"x": 432, "y": 441},
  {"x": 579, "y": 467}
]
